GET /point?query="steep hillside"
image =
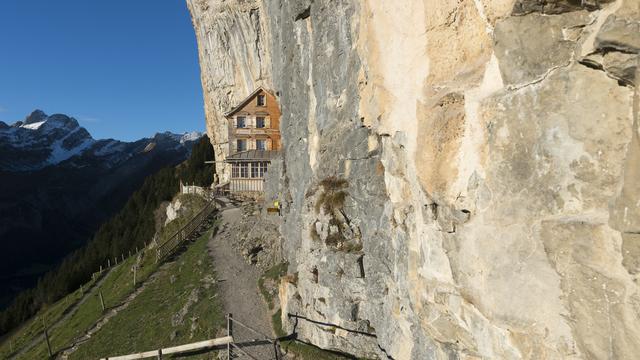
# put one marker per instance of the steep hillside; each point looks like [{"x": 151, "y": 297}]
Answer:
[
  {"x": 57, "y": 184},
  {"x": 130, "y": 228},
  {"x": 458, "y": 177},
  {"x": 170, "y": 303}
]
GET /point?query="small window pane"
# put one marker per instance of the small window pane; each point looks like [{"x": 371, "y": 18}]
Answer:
[
  {"x": 260, "y": 122},
  {"x": 261, "y": 145},
  {"x": 262, "y": 169},
  {"x": 241, "y": 122},
  {"x": 244, "y": 170},
  {"x": 261, "y": 100},
  {"x": 241, "y": 145}
]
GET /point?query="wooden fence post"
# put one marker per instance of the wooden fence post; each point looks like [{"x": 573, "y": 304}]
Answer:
[
  {"x": 100, "y": 269},
  {"x": 108, "y": 263},
  {"x": 46, "y": 337},
  {"x": 115, "y": 261},
  {"x": 122, "y": 256},
  {"x": 135, "y": 268},
  {"x": 159, "y": 354},
  {"x": 229, "y": 333},
  {"x": 101, "y": 299}
]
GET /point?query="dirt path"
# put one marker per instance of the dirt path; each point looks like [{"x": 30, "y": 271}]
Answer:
[{"x": 239, "y": 286}]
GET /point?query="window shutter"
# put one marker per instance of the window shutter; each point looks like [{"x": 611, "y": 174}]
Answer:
[
  {"x": 269, "y": 144},
  {"x": 267, "y": 122}
]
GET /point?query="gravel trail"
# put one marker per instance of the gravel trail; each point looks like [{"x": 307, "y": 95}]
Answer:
[{"x": 239, "y": 287}]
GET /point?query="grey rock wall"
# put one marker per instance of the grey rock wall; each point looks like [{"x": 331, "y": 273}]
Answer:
[
  {"x": 234, "y": 60},
  {"x": 459, "y": 177}
]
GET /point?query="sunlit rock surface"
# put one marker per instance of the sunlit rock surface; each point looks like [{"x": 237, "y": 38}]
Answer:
[{"x": 459, "y": 178}]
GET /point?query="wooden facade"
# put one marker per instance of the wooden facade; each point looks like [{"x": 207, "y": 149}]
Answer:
[
  {"x": 251, "y": 123},
  {"x": 254, "y": 138}
]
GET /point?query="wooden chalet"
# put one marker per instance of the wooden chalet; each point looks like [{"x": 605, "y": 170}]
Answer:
[{"x": 254, "y": 139}]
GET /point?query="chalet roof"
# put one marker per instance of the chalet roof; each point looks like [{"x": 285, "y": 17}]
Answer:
[
  {"x": 252, "y": 155},
  {"x": 246, "y": 101}
]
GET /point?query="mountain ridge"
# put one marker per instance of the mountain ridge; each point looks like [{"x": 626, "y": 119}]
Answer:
[
  {"x": 42, "y": 140},
  {"x": 58, "y": 184}
]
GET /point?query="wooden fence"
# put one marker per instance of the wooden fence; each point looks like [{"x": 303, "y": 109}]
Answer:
[
  {"x": 200, "y": 345},
  {"x": 211, "y": 344},
  {"x": 166, "y": 248}
]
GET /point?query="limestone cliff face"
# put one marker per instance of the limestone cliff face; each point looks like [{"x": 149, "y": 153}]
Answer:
[
  {"x": 234, "y": 60},
  {"x": 461, "y": 176}
]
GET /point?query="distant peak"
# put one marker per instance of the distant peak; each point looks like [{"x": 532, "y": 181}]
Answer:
[
  {"x": 190, "y": 136},
  {"x": 35, "y": 117},
  {"x": 181, "y": 138},
  {"x": 63, "y": 119}
]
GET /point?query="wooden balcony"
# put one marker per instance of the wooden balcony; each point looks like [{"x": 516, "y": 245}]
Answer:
[{"x": 253, "y": 131}]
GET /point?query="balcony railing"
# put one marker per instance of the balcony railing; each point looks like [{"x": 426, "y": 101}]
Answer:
[{"x": 253, "y": 129}]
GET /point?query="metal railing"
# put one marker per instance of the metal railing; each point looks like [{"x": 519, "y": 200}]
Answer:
[{"x": 166, "y": 248}]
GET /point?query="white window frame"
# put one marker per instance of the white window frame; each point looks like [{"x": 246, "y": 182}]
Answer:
[
  {"x": 263, "y": 167},
  {"x": 244, "y": 170}
]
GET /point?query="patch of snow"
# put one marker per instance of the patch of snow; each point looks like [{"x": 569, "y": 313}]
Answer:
[
  {"x": 60, "y": 154},
  {"x": 34, "y": 126},
  {"x": 110, "y": 148},
  {"x": 190, "y": 136}
]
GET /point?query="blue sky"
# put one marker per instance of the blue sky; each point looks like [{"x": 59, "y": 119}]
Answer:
[{"x": 125, "y": 69}]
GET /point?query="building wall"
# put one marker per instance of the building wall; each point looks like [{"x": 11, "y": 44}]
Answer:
[{"x": 251, "y": 110}]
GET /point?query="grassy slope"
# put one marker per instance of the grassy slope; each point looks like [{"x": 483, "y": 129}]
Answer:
[
  {"x": 33, "y": 327},
  {"x": 148, "y": 322},
  {"x": 117, "y": 286}
]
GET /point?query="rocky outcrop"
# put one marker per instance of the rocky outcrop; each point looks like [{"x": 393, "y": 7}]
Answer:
[
  {"x": 234, "y": 59},
  {"x": 458, "y": 177}
]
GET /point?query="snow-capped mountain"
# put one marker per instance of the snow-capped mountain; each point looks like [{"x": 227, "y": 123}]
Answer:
[
  {"x": 58, "y": 183},
  {"x": 41, "y": 140}
]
